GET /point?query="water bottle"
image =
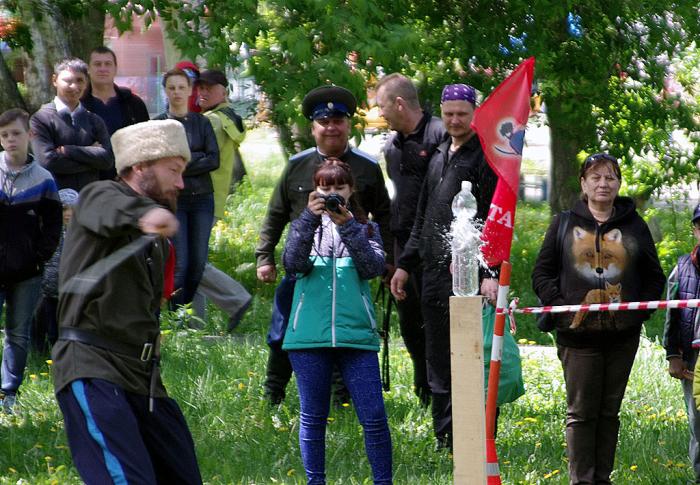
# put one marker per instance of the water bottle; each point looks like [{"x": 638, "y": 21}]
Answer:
[{"x": 465, "y": 243}]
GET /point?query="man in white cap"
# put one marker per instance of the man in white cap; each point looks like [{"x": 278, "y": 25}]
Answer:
[{"x": 121, "y": 425}]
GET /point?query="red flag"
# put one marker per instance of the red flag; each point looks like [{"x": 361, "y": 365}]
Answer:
[{"x": 500, "y": 123}]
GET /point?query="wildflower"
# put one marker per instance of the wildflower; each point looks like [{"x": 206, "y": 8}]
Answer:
[
  {"x": 12, "y": 470},
  {"x": 346, "y": 404},
  {"x": 241, "y": 386},
  {"x": 633, "y": 468},
  {"x": 531, "y": 342},
  {"x": 44, "y": 374},
  {"x": 522, "y": 341},
  {"x": 330, "y": 419},
  {"x": 251, "y": 373},
  {"x": 33, "y": 377},
  {"x": 291, "y": 472},
  {"x": 551, "y": 474},
  {"x": 49, "y": 362}
]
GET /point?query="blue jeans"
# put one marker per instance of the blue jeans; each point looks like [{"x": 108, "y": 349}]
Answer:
[
  {"x": 360, "y": 370},
  {"x": 20, "y": 300},
  {"x": 195, "y": 213}
]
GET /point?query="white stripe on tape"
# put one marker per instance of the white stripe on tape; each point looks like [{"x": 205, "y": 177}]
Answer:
[{"x": 497, "y": 348}]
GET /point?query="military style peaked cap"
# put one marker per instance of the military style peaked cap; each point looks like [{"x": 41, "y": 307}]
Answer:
[{"x": 328, "y": 102}]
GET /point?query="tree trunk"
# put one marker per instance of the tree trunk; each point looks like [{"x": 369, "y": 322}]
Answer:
[
  {"x": 86, "y": 32},
  {"x": 570, "y": 133},
  {"x": 10, "y": 96},
  {"x": 49, "y": 45}
]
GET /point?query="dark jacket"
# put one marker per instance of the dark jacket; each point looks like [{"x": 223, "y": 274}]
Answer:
[
  {"x": 124, "y": 305},
  {"x": 132, "y": 108},
  {"x": 429, "y": 243},
  {"x": 611, "y": 262},
  {"x": 332, "y": 305},
  {"x": 291, "y": 196},
  {"x": 682, "y": 331},
  {"x": 205, "y": 153},
  {"x": 30, "y": 221},
  {"x": 81, "y": 162},
  {"x": 407, "y": 158}
]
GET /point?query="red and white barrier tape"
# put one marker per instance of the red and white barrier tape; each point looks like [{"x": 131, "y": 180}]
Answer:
[{"x": 605, "y": 307}]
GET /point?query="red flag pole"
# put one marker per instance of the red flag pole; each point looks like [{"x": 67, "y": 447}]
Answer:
[{"x": 494, "y": 127}]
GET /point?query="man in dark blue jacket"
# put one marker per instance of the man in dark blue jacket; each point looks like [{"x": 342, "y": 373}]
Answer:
[
  {"x": 69, "y": 141},
  {"x": 117, "y": 106}
]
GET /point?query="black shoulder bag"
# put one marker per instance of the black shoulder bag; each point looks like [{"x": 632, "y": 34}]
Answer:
[{"x": 545, "y": 321}]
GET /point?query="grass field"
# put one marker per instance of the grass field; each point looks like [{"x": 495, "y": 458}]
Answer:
[{"x": 240, "y": 439}]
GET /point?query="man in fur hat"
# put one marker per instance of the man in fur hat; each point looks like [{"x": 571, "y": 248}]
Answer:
[{"x": 121, "y": 425}]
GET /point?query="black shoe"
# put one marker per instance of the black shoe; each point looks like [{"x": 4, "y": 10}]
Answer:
[
  {"x": 235, "y": 319},
  {"x": 274, "y": 398}
]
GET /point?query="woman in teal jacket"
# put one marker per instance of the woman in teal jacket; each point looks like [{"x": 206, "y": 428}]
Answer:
[{"x": 334, "y": 252}]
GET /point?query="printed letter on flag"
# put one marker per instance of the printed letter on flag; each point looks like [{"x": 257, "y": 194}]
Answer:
[{"x": 500, "y": 123}]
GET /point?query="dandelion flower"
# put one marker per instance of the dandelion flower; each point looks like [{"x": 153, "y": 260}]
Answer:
[
  {"x": 33, "y": 377},
  {"x": 241, "y": 386},
  {"x": 291, "y": 472},
  {"x": 50, "y": 362},
  {"x": 633, "y": 468}
]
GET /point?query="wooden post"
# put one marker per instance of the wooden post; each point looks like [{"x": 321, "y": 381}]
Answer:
[{"x": 468, "y": 404}]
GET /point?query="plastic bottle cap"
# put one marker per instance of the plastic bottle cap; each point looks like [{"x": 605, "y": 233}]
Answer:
[{"x": 466, "y": 185}]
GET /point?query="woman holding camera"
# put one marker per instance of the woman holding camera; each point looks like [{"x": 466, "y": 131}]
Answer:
[{"x": 334, "y": 252}]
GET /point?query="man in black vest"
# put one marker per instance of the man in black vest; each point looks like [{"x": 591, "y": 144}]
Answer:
[{"x": 407, "y": 153}]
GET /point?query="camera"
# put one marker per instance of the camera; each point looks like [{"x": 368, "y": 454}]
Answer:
[{"x": 333, "y": 202}]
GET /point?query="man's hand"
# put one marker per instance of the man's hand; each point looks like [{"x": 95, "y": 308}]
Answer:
[
  {"x": 489, "y": 289},
  {"x": 678, "y": 369},
  {"x": 159, "y": 221},
  {"x": 267, "y": 273},
  {"x": 389, "y": 270},
  {"x": 398, "y": 282}
]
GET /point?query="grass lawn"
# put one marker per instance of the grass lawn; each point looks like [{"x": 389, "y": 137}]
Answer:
[{"x": 240, "y": 439}]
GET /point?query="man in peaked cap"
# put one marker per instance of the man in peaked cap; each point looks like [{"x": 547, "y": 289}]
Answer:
[
  {"x": 121, "y": 425},
  {"x": 329, "y": 108}
]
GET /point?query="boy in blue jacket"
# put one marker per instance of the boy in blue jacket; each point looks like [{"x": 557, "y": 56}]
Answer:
[{"x": 30, "y": 226}]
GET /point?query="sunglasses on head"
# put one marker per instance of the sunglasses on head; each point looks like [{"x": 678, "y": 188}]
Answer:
[
  {"x": 599, "y": 156},
  {"x": 596, "y": 157}
]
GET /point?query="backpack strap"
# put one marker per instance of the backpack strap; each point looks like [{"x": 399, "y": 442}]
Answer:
[{"x": 561, "y": 234}]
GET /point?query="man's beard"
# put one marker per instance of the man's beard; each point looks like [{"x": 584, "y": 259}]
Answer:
[{"x": 149, "y": 187}]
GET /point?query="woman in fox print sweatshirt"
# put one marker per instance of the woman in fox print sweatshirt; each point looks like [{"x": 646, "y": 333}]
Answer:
[{"x": 602, "y": 253}]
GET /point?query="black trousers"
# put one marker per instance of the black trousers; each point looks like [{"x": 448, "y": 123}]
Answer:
[
  {"x": 413, "y": 334},
  {"x": 596, "y": 379},
  {"x": 436, "y": 315}
]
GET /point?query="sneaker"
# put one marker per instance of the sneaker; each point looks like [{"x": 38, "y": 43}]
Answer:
[{"x": 236, "y": 318}]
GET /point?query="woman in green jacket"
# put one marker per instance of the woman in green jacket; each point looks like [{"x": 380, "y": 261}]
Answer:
[{"x": 334, "y": 252}]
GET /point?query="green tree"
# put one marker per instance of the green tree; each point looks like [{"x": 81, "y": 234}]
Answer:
[
  {"x": 601, "y": 65},
  {"x": 45, "y": 32}
]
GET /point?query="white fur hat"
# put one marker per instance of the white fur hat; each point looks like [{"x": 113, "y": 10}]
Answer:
[{"x": 150, "y": 140}]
